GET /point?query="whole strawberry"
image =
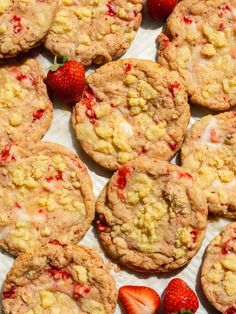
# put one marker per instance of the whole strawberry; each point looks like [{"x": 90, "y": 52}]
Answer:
[
  {"x": 67, "y": 80},
  {"x": 179, "y": 298},
  {"x": 160, "y": 9}
]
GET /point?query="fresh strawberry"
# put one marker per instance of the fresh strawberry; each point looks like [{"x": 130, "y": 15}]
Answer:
[
  {"x": 139, "y": 299},
  {"x": 67, "y": 80},
  {"x": 179, "y": 298},
  {"x": 160, "y": 9}
]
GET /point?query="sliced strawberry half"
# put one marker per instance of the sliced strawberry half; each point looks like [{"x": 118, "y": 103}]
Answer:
[{"x": 139, "y": 299}]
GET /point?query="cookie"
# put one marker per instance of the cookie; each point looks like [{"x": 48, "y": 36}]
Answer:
[
  {"x": 57, "y": 279},
  {"x": 25, "y": 109},
  {"x": 47, "y": 195},
  {"x": 208, "y": 153},
  {"x": 152, "y": 216},
  {"x": 95, "y": 31},
  {"x": 130, "y": 108},
  {"x": 218, "y": 275},
  {"x": 24, "y": 24},
  {"x": 202, "y": 50}
]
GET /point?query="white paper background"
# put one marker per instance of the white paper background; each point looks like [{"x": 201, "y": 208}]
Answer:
[{"x": 143, "y": 47}]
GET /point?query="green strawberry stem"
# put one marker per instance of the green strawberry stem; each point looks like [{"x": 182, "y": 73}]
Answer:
[
  {"x": 183, "y": 311},
  {"x": 58, "y": 62}
]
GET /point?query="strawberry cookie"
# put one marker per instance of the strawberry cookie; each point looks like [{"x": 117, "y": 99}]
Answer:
[
  {"x": 130, "y": 108},
  {"x": 24, "y": 24},
  {"x": 152, "y": 216},
  {"x": 25, "y": 109},
  {"x": 46, "y": 194},
  {"x": 58, "y": 279},
  {"x": 218, "y": 276},
  {"x": 208, "y": 153},
  {"x": 94, "y": 31},
  {"x": 203, "y": 50}
]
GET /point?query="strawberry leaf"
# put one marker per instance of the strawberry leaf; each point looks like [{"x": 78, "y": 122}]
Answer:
[
  {"x": 54, "y": 67},
  {"x": 64, "y": 60},
  {"x": 58, "y": 62},
  {"x": 183, "y": 311}
]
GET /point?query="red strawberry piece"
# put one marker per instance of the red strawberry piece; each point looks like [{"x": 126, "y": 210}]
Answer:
[
  {"x": 57, "y": 177},
  {"x": 89, "y": 101},
  {"x": 80, "y": 291},
  {"x": 17, "y": 26},
  {"x": 5, "y": 153},
  {"x": 227, "y": 246},
  {"x": 90, "y": 112},
  {"x": 102, "y": 225},
  {"x": 165, "y": 43},
  {"x": 231, "y": 310},
  {"x": 58, "y": 274},
  {"x": 174, "y": 86},
  {"x": 56, "y": 242},
  {"x": 37, "y": 115},
  {"x": 111, "y": 10},
  {"x": 194, "y": 235},
  {"x": 214, "y": 136},
  {"x": 128, "y": 68},
  {"x": 67, "y": 80},
  {"x": 179, "y": 298},
  {"x": 160, "y": 9},
  {"x": 75, "y": 162},
  {"x": 188, "y": 20},
  {"x": 173, "y": 145},
  {"x": 225, "y": 8},
  {"x": 222, "y": 26},
  {"x": 123, "y": 173},
  {"x": 9, "y": 294},
  {"x": 185, "y": 175},
  {"x": 44, "y": 214},
  {"x": 225, "y": 250},
  {"x": 121, "y": 195},
  {"x": 88, "y": 92},
  {"x": 49, "y": 179},
  {"x": 139, "y": 299},
  {"x": 20, "y": 76}
]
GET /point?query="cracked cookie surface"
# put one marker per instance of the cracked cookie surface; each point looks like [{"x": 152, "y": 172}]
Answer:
[
  {"x": 24, "y": 24},
  {"x": 203, "y": 50},
  {"x": 130, "y": 108},
  {"x": 94, "y": 31},
  {"x": 218, "y": 274},
  {"x": 56, "y": 278},
  {"x": 151, "y": 216},
  {"x": 208, "y": 153},
  {"x": 25, "y": 108},
  {"x": 46, "y": 194}
]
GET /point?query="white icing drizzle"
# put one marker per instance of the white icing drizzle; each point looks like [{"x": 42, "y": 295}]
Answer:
[
  {"x": 196, "y": 60},
  {"x": 206, "y": 136},
  {"x": 4, "y": 232},
  {"x": 218, "y": 184},
  {"x": 127, "y": 128},
  {"x": 22, "y": 216}
]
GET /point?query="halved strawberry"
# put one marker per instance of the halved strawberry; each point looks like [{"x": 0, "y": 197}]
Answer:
[
  {"x": 160, "y": 9},
  {"x": 179, "y": 298},
  {"x": 139, "y": 299}
]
